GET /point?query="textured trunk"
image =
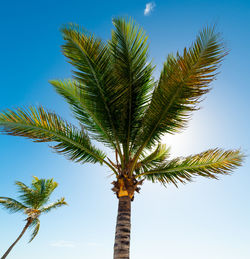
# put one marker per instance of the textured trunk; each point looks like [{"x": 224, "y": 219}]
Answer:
[
  {"x": 123, "y": 225},
  {"x": 29, "y": 221}
]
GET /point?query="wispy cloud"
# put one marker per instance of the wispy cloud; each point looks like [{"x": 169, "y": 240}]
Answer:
[
  {"x": 63, "y": 243},
  {"x": 149, "y": 8}
]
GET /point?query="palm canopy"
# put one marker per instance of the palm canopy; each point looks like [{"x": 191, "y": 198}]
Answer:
[
  {"x": 33, "y": 201},
  {"x": 117, "y": 102}
]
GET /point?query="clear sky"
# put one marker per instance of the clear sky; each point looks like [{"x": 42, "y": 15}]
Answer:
[{"x": 204, "y": 219}]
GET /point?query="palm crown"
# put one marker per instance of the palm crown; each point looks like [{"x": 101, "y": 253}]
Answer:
[
  {"x": 33, "y": 201},
  {"x": 117, "y": 102}
]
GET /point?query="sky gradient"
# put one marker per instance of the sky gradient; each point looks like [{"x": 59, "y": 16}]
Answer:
[{"x": 204, "y": 219}]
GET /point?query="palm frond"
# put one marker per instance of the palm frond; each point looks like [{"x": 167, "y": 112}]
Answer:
[
  {"x": 38, "y": 194},
  {"x": 209, "y": 164},
  {"x": 129, "y": 49},
  {"x": 12, "y": 205},
  {"x": 42, "y": 191},
  {"x": 42, "y": 126},
  {"x": 91, "y": 58},
  {"x": 74, "y": 93},
  {"x": 61, "y": 202},
  {"x": 155, "y": 158},
  {"x": 35, "y": 225},
  {"x": 183, "y": 81},
  {"x": 26, "y": 194}
]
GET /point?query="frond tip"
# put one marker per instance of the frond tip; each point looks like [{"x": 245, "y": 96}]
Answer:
[{"x": 209, "y": 164}]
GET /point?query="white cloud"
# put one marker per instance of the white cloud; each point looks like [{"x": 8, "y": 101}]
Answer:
[
  {"x": 63, "y": 243},
  {"x": 149, "y": 8}
]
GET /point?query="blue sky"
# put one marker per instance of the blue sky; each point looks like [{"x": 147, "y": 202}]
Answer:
[{"x": 204, "y": 219}]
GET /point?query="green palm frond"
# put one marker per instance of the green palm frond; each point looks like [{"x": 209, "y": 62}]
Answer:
[
  {"x": 129, "y": 49},
  {"x": 44, "y": 186},
  {"x": 43, "y": 189},
  {"x": 12, "y": 205},
  {"x": 61, "y": 202},
  {"x": 38, "y": 194},
  {"x": 42, "y": 126},
  {"x": 74, "y": 93},
  {"x": 26, "y": 194},
  {"x": 35, "y": 225},
  {"x": 183, "y": 81},
  {"x": 209, "y": 164},
  {"x": 91, "y": 58},
  {"x": 156, "y": 158}
]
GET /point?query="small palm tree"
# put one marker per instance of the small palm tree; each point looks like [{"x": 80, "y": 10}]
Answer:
[
  {"x": 32, "y": 202},
  {"x": 117, "y": 102}
]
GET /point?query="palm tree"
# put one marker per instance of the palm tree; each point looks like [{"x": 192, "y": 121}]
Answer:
[
  {"x": 32, "y": 203},
  {"x": 117, "y": 102}
]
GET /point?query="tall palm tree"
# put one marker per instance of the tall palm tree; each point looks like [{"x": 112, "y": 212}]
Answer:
[
  {"x": 117, "y": 102},
  {"x": 32, "y": 203}
]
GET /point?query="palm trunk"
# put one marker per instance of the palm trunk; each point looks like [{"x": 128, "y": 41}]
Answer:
[
  {"x": 123, "y": 226},
  {"x": 29, "y": 221}
]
